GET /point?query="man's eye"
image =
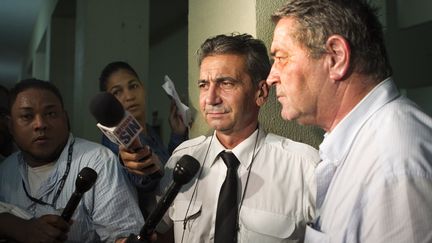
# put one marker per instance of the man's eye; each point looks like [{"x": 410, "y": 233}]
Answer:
[
  {"x": 52, "y": 114},
  {"x": 134, "y": 86},
  {"x": 227, "y": 85},
  {"x": 203, "y": 85},
  {"x": 26, "y": 117}
]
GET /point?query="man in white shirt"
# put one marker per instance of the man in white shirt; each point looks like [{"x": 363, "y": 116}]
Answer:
[
  {"x": 331, "y": 69},
  {"x": 275, "y": 189}
]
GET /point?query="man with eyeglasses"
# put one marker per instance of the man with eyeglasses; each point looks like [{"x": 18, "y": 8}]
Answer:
[{"x": 40, "y": 177}]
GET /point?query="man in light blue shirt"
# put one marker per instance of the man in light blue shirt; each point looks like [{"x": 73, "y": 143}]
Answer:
[
  {"x": 40, "y": 177},
  {"x": 331, "y": 69}
]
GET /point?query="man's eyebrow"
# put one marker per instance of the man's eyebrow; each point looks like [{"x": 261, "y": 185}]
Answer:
[
  {"x": 201, "y": 81},
  {"x": 221, "y": 79}
]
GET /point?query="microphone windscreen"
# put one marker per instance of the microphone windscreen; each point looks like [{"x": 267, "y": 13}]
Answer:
[
  {"x": 85, "y": 179},
  {"x": 107, "y": 110},
  {"x": 185, "y": 169}
]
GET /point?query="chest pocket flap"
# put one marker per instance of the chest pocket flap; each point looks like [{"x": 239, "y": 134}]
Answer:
[{"x": 178, "y": 211}]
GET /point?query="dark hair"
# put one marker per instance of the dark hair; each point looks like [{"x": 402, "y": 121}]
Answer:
[
  {"x": 33, "y": 83},
  {"x": 112, "y": 68},
  {"x": 257, "y": 60},
  {"x": 355, "y": 20}
]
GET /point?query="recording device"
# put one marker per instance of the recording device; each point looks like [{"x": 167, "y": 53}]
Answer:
[
  {"x": 85, "y": 180},
  {"x": 183, "y": 172},
  {"x": 118, "y": 125}
]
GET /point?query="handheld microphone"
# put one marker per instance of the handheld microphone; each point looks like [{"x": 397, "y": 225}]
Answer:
[
  {"x": 84, "y": 181},
  {"x": 117, "y": 124},
  {"x": 184, "y": 171}
]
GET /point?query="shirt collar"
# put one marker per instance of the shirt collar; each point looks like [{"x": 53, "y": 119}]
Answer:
[
  {"x": 243, "y": 151},
  {"x": 337, "y": 143},
  {"x": 59, "y": 167}
]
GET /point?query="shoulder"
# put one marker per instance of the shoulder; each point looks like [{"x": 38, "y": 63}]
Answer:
[
  {"x": 92, "y": 153},
  {"x": 288, "y": 147},
  {"x": 191, "y": 144},
  {"x": 89, "y": 146},
  {"x": 10, "y": 163},
  {"x": 402, "y": 120}
]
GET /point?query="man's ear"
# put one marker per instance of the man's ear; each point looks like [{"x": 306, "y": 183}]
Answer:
[
  {"x": 339, "y": 52},
  {"x": 262, "y": 93}
]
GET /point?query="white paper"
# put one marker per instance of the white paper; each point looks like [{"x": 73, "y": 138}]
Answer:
[{"x": 182, "y": 109}]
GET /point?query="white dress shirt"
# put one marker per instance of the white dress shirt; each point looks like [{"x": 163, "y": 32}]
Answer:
[
  {"x": 381, "y": 190},
  {"x": 278, "y": 197}
]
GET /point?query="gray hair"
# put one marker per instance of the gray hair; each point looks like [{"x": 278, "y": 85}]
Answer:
[
  {"x": 355, "y": 20},
  {"x": 257, "y": 59}
]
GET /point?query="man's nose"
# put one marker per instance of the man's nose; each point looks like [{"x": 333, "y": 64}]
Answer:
[
  {"x": 273, "y": 77},
  {"x": 39, "y": 122},
  {"x": 213, "y": 95}
]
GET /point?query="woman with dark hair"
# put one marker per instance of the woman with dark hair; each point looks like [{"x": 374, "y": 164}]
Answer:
[{"x": 121, "y": 80}]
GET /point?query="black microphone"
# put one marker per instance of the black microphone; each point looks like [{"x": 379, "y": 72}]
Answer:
[
  {"x": 184, "y": 171},
  {"x": 85, "y": 180},
  {"x": 118, "y": 125}
]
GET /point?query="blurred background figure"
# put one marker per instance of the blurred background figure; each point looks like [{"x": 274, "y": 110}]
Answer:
[
  {"x": 6, "y": 142},
  {"x": 121, "y": 80}
]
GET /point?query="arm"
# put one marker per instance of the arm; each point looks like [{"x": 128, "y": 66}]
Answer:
[
  {"x": 115, "y": 212},
  {"x": 398, "y": 210},
  {"x": 48, "y": 228},
  {"x": 179, "y": 132},
  {"x": 144, "y": 167}
]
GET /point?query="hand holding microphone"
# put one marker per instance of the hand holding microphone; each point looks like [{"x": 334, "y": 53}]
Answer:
[
  {"x": 184, "y": 171},
  {"x": 140, "y": 162},
  {"x": 122, "y": 128}
]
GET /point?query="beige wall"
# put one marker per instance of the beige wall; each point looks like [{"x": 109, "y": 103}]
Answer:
[{"x": 212, "y": 17}]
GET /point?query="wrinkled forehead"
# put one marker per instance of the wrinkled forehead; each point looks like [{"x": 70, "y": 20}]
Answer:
[{"x": 216, "y": 66}]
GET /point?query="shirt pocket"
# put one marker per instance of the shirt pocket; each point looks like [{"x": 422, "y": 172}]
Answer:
[
  {"x": 315, "y": 236},
  {"x": 177, "y": 213},
  {"x": 263, "y": 226}
]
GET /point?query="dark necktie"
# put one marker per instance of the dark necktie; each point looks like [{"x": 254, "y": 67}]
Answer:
[{"x": 226, "y": 214}]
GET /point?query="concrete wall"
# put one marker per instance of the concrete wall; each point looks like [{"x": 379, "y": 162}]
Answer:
[
  {"x": 108, "y": 30},
  {"x": 167, "y": 57}
]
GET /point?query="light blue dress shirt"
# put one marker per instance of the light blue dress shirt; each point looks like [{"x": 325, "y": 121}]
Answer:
[
  {"x": 106, "y": 212},
  {"x": 381, "y": 190}
]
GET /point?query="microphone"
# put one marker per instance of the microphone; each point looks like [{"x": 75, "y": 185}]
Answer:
[
  {"x": 184, "y": 171},
  {"x": 117, "y": 124},
  {"x": 85, "y": 180}
]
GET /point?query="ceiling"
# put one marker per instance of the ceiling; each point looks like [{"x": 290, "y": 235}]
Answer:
[{"x": 17, "y": 19}]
